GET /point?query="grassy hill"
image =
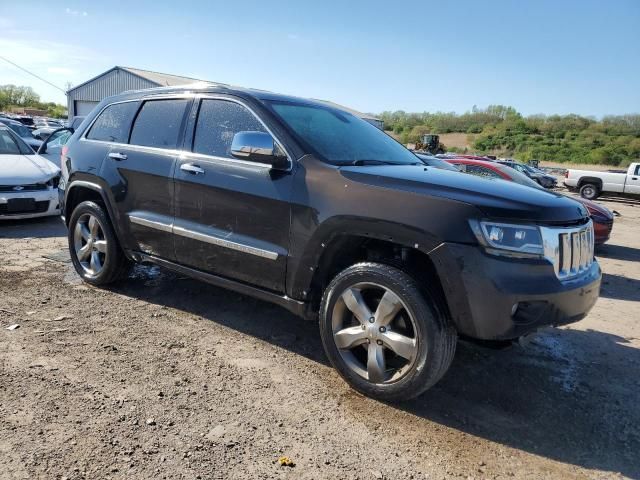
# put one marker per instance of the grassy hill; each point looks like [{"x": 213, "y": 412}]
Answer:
[{"x": 501, "y": 130}]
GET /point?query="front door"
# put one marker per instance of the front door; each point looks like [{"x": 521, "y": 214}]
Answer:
[
  {"x": 142, "y": 172},
  {"x": 633, "y": 182},
  {"x": 52, "y": 147},
  {"x": 231, "y": 217}
]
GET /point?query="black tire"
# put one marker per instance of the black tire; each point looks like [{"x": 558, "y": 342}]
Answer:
[
  {"x": 115, "y": 265},
  {"x": 436, "y": 337},
  {"x": 589, "y": 191}
]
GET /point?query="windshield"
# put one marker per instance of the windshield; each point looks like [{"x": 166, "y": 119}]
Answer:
[
  {"x": 339, "y": 137},
  {"x": 12, "y": 145},
  {"x": 437, "y": 162},
  {"x": 21, "y": 130},
  {"x": 518, "y": 177}
]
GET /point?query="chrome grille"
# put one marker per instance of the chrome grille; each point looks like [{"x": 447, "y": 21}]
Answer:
[
  {"x": 570, "y": 250},
  {"x": 23, "y": 188}
]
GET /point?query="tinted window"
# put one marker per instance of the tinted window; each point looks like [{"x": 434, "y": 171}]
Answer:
[
  {"x": 218, "y": 122},
  {"x": 113, "y": 123},
  {"x": 158, "y": 123},
  {"x": 637, "y": 170}
]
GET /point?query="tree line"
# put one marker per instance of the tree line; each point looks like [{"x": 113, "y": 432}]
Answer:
[
  {"x": 501, "y": 130},
  {"x": 20, "y": 96}
]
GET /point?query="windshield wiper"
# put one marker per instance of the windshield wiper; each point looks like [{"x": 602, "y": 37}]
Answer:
[{"x": 362, "y": 162}]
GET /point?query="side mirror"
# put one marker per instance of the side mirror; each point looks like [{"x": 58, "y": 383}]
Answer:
[
  {"x": 258, "y": 147},
  {"x": 52, "y": 137}
]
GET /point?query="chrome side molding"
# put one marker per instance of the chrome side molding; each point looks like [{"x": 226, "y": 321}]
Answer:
[{"x": 150, "y": 222}]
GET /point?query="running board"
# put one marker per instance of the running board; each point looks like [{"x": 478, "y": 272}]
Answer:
[{"x": 296, "y": 307}]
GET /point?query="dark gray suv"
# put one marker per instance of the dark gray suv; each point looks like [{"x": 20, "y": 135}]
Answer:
[{"x": 302, "y": 204}]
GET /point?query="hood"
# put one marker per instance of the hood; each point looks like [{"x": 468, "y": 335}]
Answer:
[
  {"x": 32, "y": 142},
  {"x": 595, "y": 208},
  {"x": 495, "y": 198},
  {"x": 25, "y": 169}
]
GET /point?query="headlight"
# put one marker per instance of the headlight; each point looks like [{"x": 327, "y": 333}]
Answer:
[
  {"x": 508, "y": 236},
  {"x": 54, "y": 181}
]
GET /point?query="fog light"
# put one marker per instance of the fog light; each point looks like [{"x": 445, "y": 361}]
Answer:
[
  {"x": 514, "y": 309},
  {"x": 496, "y": 234}
]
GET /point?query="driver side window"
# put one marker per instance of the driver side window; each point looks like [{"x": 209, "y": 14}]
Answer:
[{"x": 218, "y": 121}]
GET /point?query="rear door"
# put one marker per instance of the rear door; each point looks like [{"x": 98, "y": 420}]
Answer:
[
  {"x": 142, "y": 172},
  {"x": 232, "y": 216}
]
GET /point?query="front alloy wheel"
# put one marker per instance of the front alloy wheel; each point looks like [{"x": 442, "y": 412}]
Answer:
[
  {"x": 374, "y": 332},
  {"x": 387, "y": 335}
]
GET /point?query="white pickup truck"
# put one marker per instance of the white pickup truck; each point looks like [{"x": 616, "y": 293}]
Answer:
[{"x": 591, "y": 184}]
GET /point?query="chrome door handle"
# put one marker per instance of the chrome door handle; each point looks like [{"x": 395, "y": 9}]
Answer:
[
  {"x": 117, "y": 156},
  {"x": 191, "y": 168}
]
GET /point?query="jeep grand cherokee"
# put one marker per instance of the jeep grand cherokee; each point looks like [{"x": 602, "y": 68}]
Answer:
[{"x": 302, "y": 204}]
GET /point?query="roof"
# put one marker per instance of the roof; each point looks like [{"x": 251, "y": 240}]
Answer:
[
  {"x": 160, "y": 79},
  {"x": 166, "y": 80},
  {"x": 366, "y": 116}
]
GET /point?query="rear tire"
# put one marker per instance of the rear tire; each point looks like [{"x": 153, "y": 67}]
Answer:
[
  {"x": 589, "y": 191},
  {"x": 386, "y": 336},
  {"x": 93, "y": 246}
]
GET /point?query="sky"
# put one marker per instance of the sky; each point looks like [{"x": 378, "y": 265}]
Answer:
[{"x": 560, "y": 56}]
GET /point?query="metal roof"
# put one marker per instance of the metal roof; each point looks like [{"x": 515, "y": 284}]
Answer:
[
  {"x": 162, "y": 79},
  {"x": 157, "y": 78}
]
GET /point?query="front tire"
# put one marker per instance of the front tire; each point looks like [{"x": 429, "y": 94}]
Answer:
[
  {"x": 386, "y": 336},
  {"x": 589, "y": 191},
  {"x": 93, "y": 246}
]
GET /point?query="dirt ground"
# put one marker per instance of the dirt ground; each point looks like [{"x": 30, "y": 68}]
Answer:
[{"x": 166, "y": 377}]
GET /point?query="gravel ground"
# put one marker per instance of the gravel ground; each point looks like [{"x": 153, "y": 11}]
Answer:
[{"x": 165, "y": 377}]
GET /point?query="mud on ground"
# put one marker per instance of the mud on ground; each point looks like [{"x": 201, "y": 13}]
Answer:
[{"x": 165, "y": 377}]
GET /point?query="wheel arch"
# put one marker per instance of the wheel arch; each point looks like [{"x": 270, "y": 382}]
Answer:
[
  {"x": 81, "y": 190},
  {"x": 345, "y": 249},
  {"x": 594, "y": 180}
]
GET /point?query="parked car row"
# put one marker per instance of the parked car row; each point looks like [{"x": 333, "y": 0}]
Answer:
[
  {"x": 601, "y": 216},
  {"x": 28, "y": 182}
]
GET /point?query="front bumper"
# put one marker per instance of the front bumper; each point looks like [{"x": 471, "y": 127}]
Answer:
[
  {"x": 46, "y": 203},
  {"x": 502, "y": 298}
]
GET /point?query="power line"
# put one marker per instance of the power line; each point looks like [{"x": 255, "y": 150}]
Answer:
[{"x": 33, "y": 74}]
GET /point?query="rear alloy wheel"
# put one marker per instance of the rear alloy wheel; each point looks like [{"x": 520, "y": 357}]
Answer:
[
  {"x": 93, "y": 246},
  {"x": 589, "y": 191},
  {"x": 387, "y": 337},
  {"x": 90, "y": 244}
]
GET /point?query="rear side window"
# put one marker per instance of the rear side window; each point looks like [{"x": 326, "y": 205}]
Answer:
[
  {"x": 481, "y": 171},
  {"x": 218, "y": 121},
  {"x": 158, "y": 123},
  {"x": 112, "y": 125}
]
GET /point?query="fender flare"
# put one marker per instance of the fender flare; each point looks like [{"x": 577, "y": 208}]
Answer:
[{"x": 306, "y": 259}]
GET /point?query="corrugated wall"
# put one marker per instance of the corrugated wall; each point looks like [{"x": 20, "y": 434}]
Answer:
[{"x": 111, "y": 83}]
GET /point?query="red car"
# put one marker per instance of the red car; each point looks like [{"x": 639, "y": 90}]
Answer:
[{"x": 601, "y": 216}]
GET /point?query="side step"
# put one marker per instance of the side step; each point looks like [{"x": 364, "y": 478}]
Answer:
[{"x": 296, "y": 307}]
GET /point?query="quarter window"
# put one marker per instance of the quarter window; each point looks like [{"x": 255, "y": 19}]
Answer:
[
  {"x": 112, "y": 125},
  {"x": 158, "y": 123},
  {"x": 218, "y": 121}
]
